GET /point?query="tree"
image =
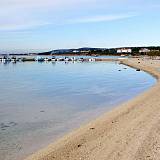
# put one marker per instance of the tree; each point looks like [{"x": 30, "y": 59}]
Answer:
[{"x": 153, "y": 54}]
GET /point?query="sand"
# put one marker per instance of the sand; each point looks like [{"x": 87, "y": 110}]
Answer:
[{"x": 131, "y": 131}]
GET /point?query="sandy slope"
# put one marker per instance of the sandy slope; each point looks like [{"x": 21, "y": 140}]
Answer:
[{"x": 129, "y": 132}]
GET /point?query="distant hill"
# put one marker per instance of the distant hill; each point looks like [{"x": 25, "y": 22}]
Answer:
[
  {"x": 87, "y": 51},
  {"x": 65, "y": 51}
]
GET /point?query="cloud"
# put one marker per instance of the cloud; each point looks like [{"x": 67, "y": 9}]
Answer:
[
  {"x": 19, "y": 20},
  {"x": 103, "y": 18},
  {"x": 28, "y": 14},
  {"x": 22, "y": 26},
  {"x": 41, "y": 3}
]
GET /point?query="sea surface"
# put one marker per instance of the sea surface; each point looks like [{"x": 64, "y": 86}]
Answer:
[{"x": 40, "y": 102}]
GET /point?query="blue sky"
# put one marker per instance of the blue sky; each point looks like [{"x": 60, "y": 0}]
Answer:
[{"x": 40, "y": 25}]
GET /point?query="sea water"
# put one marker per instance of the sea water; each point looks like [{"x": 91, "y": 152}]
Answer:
[{"x": 40, "y": 102}]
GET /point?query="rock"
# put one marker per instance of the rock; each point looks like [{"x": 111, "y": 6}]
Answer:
[
  {"x": 79, "y": 145},
  {"x": 3, "y": 129},
  {"x": 13, "y": 123},
  {"x": 4, "y": 126}
]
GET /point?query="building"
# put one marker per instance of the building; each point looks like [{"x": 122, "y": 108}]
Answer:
[
  {"x": 124, "y": 50},
  {"x": 87, "y": 51},
  {"x": 75, "y": 51},
  {"x": 144, "y": 50}
]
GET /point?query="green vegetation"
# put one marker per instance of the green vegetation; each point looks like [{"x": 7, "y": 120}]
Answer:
[{"x": 153, "y": 54}]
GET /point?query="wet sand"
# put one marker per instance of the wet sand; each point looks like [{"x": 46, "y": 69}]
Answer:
[{"x": 128, "y": 132}]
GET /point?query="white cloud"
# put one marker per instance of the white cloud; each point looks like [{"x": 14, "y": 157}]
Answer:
[
  {"x": 102, "y": 18},
  {"x": 22, "y": 26},
  {"x": 27, "y": 14},
  {"x": 41, "y": 3}
]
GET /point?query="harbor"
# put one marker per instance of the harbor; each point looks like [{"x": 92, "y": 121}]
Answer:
[{"x": 14, "y": 59}]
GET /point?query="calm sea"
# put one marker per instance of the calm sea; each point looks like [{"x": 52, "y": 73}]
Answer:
[{"x": 40, "y": 102}]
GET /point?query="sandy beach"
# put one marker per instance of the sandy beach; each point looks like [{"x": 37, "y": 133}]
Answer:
[{"x": 131, "y": 131}]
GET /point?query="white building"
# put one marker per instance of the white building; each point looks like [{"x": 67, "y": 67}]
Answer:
[
  {"x": 75, "y": 51},
  {"x": 85, "y": 51},
  {"x": 144, "y": 50},
  {"x": 124, "y": 50}
]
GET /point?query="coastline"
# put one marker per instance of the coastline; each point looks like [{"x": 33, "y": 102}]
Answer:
[{"x": 130, "y": 131}]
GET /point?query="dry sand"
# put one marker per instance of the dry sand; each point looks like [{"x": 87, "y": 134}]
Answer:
[{"x": 129, "y": 132}]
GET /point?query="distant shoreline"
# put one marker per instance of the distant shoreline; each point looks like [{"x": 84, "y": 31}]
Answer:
[{"x": 96, "y": 55}]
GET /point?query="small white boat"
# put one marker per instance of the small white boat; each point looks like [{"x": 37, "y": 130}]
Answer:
[
  {"x": 80, "y": 60},
  {"x": 91, "y": 60},
  {"x": 60, "y": 59},
  {"x": 39, "y": 59},
  {"x": 53, "y": 59},
  {"x": 4, "y": 59},
  {"x": 66, "y": 59},
  {"x": 13, "y": 59},
  {"x": 73, "y": 59},
  {"x": 46, "y": 59}
]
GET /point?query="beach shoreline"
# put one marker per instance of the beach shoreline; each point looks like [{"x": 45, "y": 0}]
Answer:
[{"x": 130, "y": 131}]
